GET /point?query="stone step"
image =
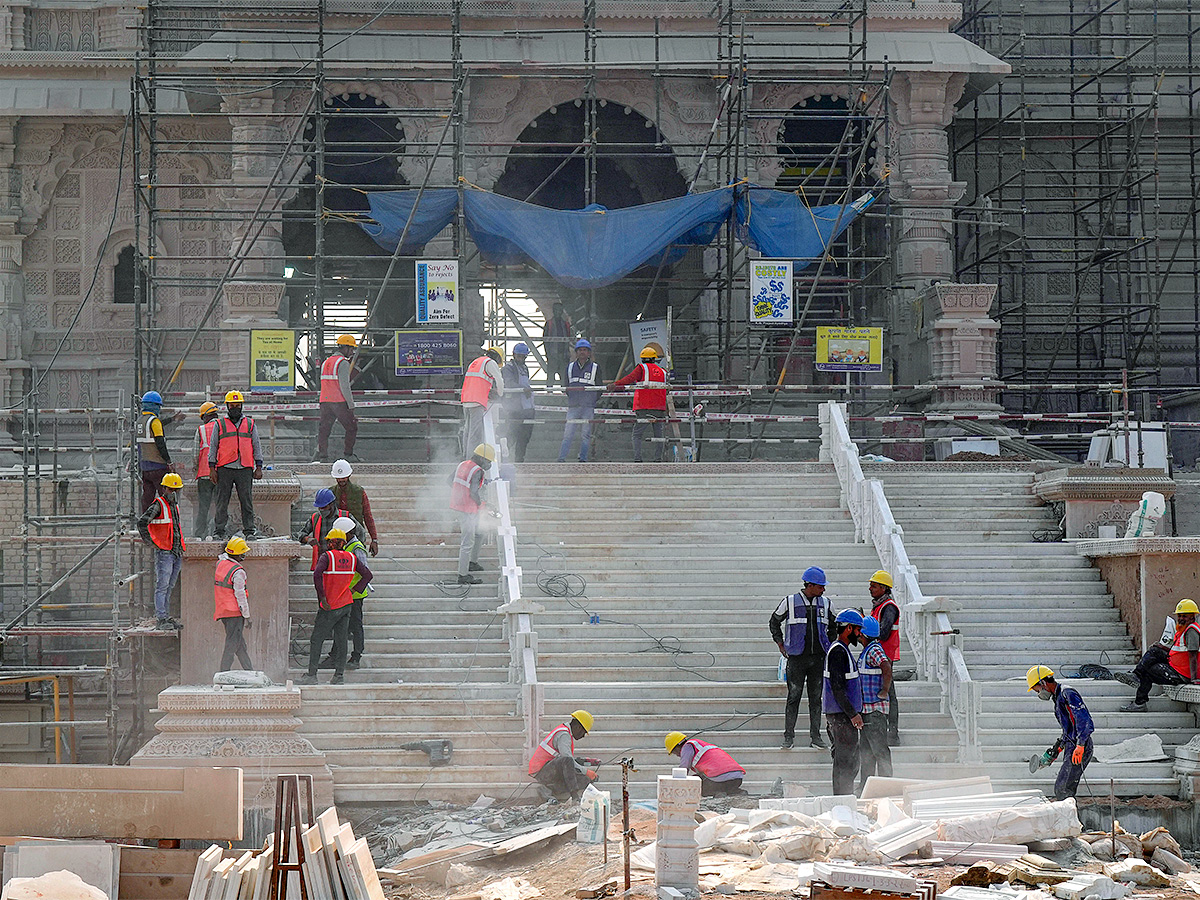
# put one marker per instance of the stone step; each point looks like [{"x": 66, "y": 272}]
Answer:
[
  {"x": 1080, "y": 616},
  {"x": 378, "y": 672},
  {"x": 562, "y": 696}
]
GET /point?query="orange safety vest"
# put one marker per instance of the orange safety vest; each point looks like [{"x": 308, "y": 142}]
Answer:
[
  {"x": 331, "y": 385},
  {"x": 460, "y": 492},
  {"x": 1179, "y": 651},
  {"x": 651, "y": 397},
  {"x": 545, "y": 750},
  {"x": 318, "y": 532},
  {"x": 162, "y": 527},
  {"x": 204, "y": 435},
  {"x": 892, "y": 645},
  {"x": 224, "y": 600},
  {"x": 234, "y": 443},
  {"x": 338, "y": 576},
  {"x": 711, "y": 761},
  {"x": 477, "y": 384}
]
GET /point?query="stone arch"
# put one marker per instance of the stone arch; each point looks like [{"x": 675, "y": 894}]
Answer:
[
  {"x": 78, "y": 144},
  {"x": 765, "y": 131}
]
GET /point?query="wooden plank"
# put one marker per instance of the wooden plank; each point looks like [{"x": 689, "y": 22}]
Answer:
[
  {"x": 417, "y": 865},
  {"x": 328, "y": 824}
]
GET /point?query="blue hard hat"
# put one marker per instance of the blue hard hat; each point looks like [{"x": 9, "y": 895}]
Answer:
[
  {"x": 583, "y": 344},
  {"x": 152, "y": 397},
  {"x": 521, "y": 348},
  {"x": 323, "y": 499},
  {"x": 871, "y": 627},
  {"x": 849, "y": 617},
  {"x": 813, "y": 575}
]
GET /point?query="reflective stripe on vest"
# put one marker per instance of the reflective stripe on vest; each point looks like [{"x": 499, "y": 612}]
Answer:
[
  {"x": 795, "y": 636},
  {"x": 460, "y": 491},
  {"x": 331, "y": 384},
  {"x": 545, "y": 750},
  {"x": 892, "y": 645},
  {"x": 477, "y": 384},
  {"x": 234, "y": 443},
  {"x": 350, "y": 547},
  {"x": 162, "y": 526},
  {"x": 337, "y": 578},
  {"x": 204, "y": 435},
  {"x": 853, "y": 689},
  {"x": 225, "y": 603},
  {"x": 146, "y": 444},
  {"x": 716, "y": 761},
  {"x": 648, "y": 383},
  {"x": 318, "y": 530},
  {"x": 1178, "y": 656}
]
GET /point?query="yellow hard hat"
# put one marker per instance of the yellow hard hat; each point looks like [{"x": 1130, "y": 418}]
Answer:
[
  {"x": 499, "y": 351},
  {"x": 1037, "y": 674},
  {"x": 207, "y": 407},
  {"x": 649, "y": 353},
  {"x": 584, "y": 718},
  {"x": 172, "y": 480},
  {"x": 347, "y": 340},
  {"x": 882, "y": 577},
  {"x": 237, "y": 545},
  {"x": 674, "y": 739},
  {"x": 335, "y": 534},
  {"x": 486, "y": 451},
  {"x": 1186, "y": 606},
  {"x": 234, "y": 397}
]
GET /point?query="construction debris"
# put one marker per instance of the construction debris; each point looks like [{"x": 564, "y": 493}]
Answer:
[
  {"x": 1136, "y": 871},
  {"x": 60, "y": 885},
  {"x": 1087, "y": 885}
]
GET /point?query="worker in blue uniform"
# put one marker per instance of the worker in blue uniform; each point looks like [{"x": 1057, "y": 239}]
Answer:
[
  {"x": 1077, "y": 727},
  {"x": 842, "y": 700}
]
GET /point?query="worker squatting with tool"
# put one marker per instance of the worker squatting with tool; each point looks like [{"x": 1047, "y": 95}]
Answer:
[{"x": 554, "y": 765}]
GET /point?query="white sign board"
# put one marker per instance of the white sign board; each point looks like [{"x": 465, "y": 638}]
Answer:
[
  {"x": 437, "y": 291},
  {"x": 648, "y": 331},
  {"x": 771, "y": 291}
]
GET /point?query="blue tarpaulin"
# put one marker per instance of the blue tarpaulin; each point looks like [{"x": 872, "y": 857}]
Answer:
[{"x": 593, "y": 247}]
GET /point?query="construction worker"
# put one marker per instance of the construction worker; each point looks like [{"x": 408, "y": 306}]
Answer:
[
  {"x": 842, "y": 700},
  {"x": 718, "y": 772},
  {"x": 1171, "y": 661},
  {"x": 235, "y": 460},
  {"x": 1077, "y": 728},
  {"x": 231, "y": 602},
  {"x": 583, "y": 376},
  {"x": 556, "y": 341},
  {"x": 649, "y": 401},
  {"x": 336, "y": 400},
  {"x": 554, "y": 763},
  {"x": 801, "y": 626},
  {"x": 887, "y": 613},
  {"x": 204, "y": 486},
  {"x": 875, "y": 679},
  {"x": 332, "y": 579},
  {"x": 358, "y": 592},
  {"x": 154, "y": 459},
  {"x": 161, "y": 526},
  {"x": 466, "y": 498},
  {"x": 353, "y": 497},
  {"x": 319, "y": 522},
  {"x": 482, "y": 383},
  {"x": 518, "y": 402}
]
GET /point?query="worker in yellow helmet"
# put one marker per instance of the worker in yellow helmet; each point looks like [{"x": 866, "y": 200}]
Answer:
[
  {"x": 719, "y": 773},
  {"x": 161, "y": 526},
  {"x": 231, "y": 602},
  {"x": 483, "y": 382},
  {"x": 467, "y": 499},
  {"x": 649, "y": 381},
  {"x": 1076, "y": 722},
  {"x": 887, "y": 614},
  {"x": 1171, "y": 661},
  {"x": 235, "y": 461},
  {"x": 554, "y": 764},
  {"x": 336, "y": 400},
  {"x": 209, "y": 412}
]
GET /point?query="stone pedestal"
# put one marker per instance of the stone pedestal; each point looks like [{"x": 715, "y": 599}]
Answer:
[
  {"x": 676, "y": 853},
  {"x": 1147, "y": 577},
  {"x": 251, "y": 728},
  {"x": 1093, "y": 497},
  {"x": 962, "y": 346},
  {"x": 274, "y": 495},
  {"x": 202, "y": 640}
]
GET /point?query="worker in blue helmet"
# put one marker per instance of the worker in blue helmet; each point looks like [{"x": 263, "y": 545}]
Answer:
[
  {"x": 154, "y": 459},
  {"x": 321, "y": 520},
  {"x": 583, "y": 388},
  {"x": 518, "y": 402},
  {"x": 842, "y": 700},
  {"x": 801, "y": 627}
]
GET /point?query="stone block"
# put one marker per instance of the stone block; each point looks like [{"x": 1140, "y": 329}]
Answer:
[
  {"x": 676, "y": 854},
  {"x": 96, "y": 863},
  {"x": 1136, "y": 871},
  {"x": 1088, "y": 885},
  {"x": 194, "y": 802},
  {"x": 1015, "y": 825},
  {"x": 57, "y": 885},
  {"x": 865, "y": 878}
]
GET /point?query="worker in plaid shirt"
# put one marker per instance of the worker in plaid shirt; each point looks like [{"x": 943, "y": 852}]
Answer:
[{"x": 875, "y": 677}]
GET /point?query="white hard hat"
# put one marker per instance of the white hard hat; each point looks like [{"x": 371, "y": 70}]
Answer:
[
  {"x": 341, "y": 469},
  {"x": 345, "y": 524}
]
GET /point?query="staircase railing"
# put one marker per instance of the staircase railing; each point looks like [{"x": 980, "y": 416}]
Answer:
[
  {"x": 935, "y": 643},
  {"x": 517, "y": 611}
]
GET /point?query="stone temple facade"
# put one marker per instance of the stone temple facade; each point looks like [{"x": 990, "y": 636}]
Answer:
[{"x": 69, "y": 223}]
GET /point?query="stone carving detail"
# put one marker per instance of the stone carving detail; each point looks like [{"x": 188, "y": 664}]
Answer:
[
  {"x": 962, "y": 344},
  {"x": 66, "y": 283},
  {"x": 764, "y": 132},
  {"x": 36, "y": 284}
]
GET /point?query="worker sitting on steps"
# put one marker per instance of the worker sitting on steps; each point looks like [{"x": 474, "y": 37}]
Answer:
[
  {"x": 1077, "y": 728},
  {"x": 842, "y": 700},
  {"x": 875, "y": 675},
  {"x": 1170, "y": 661},
  {"x": 801, "y": 626},
  {"x": 333, "y": 579},
  {"x": 466, "y": 498},
  {"x": 887, "y": 613},
  {"x": 231, "y": 602},
  {"x": 160, "y": 525},
  {"x": 718, "y": 772},
  {"x": 554, "y": 763}
]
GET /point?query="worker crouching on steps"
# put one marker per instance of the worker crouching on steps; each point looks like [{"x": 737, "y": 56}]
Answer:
[
  {"x": 231, "y": 603},
  {"x": 718, "y": 772},
  {"x": 1077, "y": 728},
  {"x": 842, "y": 700},
  {"x": 466, "y": 498},
  {"x": 554, "y": 764},
  {"x": 160, "y": 525},
  {"x": 334, "y": 581},
  {"x": 1171, "y": 661}
]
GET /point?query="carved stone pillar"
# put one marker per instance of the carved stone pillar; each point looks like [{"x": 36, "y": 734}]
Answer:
[
  {"x": 248, "y": 305},
  {"x": 12, "y": 281},
  {"x": 12, "y": 25},
  {"x": 676, "y": 854},
  {"x": 257, "y": 128},
  {"x": 962, "y": 345},
  {"x": 922, "y": 105}
]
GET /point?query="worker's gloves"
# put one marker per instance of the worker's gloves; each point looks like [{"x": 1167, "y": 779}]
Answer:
[{"x": 1077, "y": 756}]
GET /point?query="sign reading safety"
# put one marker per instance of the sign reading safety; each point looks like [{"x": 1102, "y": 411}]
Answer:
[{"x": 849, "y": 349}]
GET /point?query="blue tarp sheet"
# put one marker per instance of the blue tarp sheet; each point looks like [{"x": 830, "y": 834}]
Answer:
[{"x": 593, "y": 247}]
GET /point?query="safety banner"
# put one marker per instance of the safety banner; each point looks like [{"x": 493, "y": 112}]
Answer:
[
  {"x": 771, "y": 291},
  {"x": 272, "y": 360},
  {"x": 421, "y": 352},
  {"x": 849, "y": 349},
  {"x": 437, "y": 291},
  {"x": 652, "y": 332}
]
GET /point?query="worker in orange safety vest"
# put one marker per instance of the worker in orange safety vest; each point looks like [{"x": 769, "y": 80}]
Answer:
[
  {"x": 554, "y": 764},
  {"x": 482, "y": 383},
  {"x": 336, "y": 400},
  {"x": 209, "y": 413},
  {"x": 231, "y": 602},
  {"x": 466, "y": 498},
  {"x": 649, "y": 381},
  {"x": 334, "y": 581},
  {"x": 718, "y": 771},
  {"x": 160, "y": 525},
  {"x": 235, "y": 459}
]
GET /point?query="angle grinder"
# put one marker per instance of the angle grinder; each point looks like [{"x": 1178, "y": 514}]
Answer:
[{"x": 1041, "y": 760}]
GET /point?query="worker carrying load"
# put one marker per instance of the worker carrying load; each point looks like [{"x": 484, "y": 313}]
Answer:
[
  {"x": 554, "y": 764},
  {"x": 1076, "y": 739},
  {"x": 718, "y": 772}
]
